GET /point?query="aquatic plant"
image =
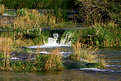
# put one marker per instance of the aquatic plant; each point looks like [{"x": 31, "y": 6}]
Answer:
[
  {"x": 51, "y": 61},
  {"x": 54, "y": 61},
  {"x": 31, "y": 19},
  {"x": 6, "y": 46},
  {"x": 83, "y": 53}
]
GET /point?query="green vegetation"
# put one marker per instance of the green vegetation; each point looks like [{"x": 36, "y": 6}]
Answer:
[
  {"x": 85, "y": 55},
  {"x": 48, "y": 62},
  {"x": 90, "y": 11},
  {"x": 38, "y": 4},
  {"x": 102, "y": 16},
  {"x": 101, "y": 11},
  {"x": 99, "y": 35}
]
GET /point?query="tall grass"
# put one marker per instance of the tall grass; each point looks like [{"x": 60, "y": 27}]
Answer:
[
  {"x": 6, "y": 47},
  {"x": 38, "y": 4},
  {"x": 51, "y": 61},
  {"x": 54, "y": 61},
  {"x": 31, "y": 19},
  {"x": 26, "y": 20},
  {"x": 83, "y": 53},
  {"x": 2, "y": 9}
]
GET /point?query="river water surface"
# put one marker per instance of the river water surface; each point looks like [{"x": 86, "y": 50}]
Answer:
[{"x": 111, "y": 73}]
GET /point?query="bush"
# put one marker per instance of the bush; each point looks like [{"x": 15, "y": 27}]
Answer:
[
  {"x": 99, "y": 11},
  {"x": 100, "y": 35}
]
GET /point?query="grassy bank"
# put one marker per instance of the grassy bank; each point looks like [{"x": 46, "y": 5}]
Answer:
[
  {"x": 49, "y": 62},
  {"x": 102, "y": 17},
  {"x": 24, "y": 36}
]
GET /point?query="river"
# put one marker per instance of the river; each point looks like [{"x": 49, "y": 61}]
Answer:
[{"x": 111, "y": 73}]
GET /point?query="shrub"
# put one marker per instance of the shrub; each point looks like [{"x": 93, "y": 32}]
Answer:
[
  {"x": 99, "y": 11},
  {"x": 100, "y": 35}
]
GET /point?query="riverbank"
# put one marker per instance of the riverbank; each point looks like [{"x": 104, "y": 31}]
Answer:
[{"x": 26, "y": 31}]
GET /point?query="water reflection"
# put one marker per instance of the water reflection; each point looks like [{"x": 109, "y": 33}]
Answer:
[
  {"x": 67, "y": 75},
  {"x": 113, "y": 57}
]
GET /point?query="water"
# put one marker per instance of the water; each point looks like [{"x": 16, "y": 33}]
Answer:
[
  {"x": 67, "y": 75},
  {"x": 111, "y": 73},
  {"x": 52, "y": 42},
  {"x": 112, "y": 58}
]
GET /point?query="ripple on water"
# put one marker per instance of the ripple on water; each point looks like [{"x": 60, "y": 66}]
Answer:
[
  {"x": 113, "y": 65},
  {"x": 100, "y": 70},
  {"x": 116, "y": 60}
]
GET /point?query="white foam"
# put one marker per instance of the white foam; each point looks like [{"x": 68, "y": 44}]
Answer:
[
  {"x": 96, "y": 69},
  {"x": 113, "y": 65},
  {"x": 113, "y": 60},
  {"x": 15, "y": 58},
  {"x": 44, "y": 52},
  {"x": 47, "y": 46},
  {"x": 52, "y": 42}
]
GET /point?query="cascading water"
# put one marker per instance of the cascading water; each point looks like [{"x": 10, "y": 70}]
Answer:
[
  {"x": 66, "y": 39},
  {"x": 52, "y": 41}
]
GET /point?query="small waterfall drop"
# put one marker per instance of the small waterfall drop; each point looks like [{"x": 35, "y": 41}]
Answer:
[
  {"x": 66, "y": 39},
  {"x": 52, "y": 41}
]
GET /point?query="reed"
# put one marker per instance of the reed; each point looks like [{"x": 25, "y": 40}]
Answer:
[
  {"x": 26, "y": 20},
  {"x": 31, "y": 19},
  {"x": 54, "y": 61},
  {"x": 83, "y": 53},
  {"x": 2, "y": 9},
  {"x": 49, "y": 62},
  {"x": 6, "y": 46}
]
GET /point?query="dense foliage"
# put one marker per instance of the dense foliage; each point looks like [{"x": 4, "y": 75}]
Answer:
[
  {"x": 102, "y": 16},
  {"x": 100, "y": 11},
  {"x": 38, "y": 4},
  {"x": 90, "y": 11},
  {"x": 99, "y": 35}
]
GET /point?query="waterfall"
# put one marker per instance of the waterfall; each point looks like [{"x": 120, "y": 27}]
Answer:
[
  {"x": 66, "y": 39},
  {"x": 52, "y": 41}
]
